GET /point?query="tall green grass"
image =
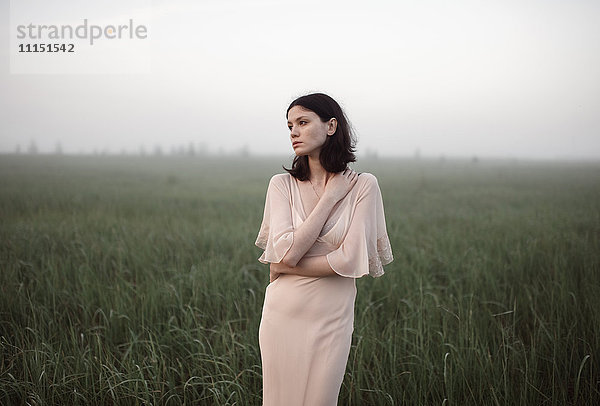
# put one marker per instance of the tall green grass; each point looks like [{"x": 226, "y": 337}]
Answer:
[{"x": 128, "y": 280}]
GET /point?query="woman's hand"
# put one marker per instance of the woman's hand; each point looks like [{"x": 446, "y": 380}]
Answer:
[
  {"x": 340, "y": 184},
  {"x": 316, "y": 267},
  {"x": 275, "y": 269}
]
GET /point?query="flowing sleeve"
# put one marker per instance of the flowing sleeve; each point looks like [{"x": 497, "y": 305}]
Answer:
[
  {"x": 366, "y": 246},
  {"x": 276, "y": 231}
]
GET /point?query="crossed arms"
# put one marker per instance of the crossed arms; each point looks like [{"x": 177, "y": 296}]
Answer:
[{"x": 305, "y": 236}]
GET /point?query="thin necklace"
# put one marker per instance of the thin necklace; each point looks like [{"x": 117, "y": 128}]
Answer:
[{"x": 314, "y": 190}]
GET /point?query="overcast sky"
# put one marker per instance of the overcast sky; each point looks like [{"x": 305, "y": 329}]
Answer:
[{"x": 510, "y": 78}]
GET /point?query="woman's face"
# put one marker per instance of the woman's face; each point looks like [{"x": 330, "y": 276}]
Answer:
[{"x": 307, "y": 132}]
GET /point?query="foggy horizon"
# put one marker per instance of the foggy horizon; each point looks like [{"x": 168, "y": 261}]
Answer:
[
  {"x": 462, "y": 79},
  {"x": 245, "y": 153}
]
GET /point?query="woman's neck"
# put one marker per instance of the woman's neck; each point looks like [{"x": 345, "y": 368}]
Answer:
[{"x": 318, "y": 174}]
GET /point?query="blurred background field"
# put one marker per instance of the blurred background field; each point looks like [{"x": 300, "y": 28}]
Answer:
[{"x": 135, "y": 280}]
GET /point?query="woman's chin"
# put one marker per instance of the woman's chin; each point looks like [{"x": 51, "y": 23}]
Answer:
[{"x": 305, "y": 151}]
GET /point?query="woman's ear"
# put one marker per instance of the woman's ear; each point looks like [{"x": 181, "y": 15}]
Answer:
[{"x": 331, "y": 126}]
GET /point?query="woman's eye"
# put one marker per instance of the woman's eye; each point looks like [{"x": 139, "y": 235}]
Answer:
[
  {"x": 302, "y": 122},
  {"x": 290, "y": 127}
]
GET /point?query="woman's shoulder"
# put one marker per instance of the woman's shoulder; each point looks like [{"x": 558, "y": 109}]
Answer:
[
  {"x": 281, "y": 181},
  {"x": 367, "y": 179},
  {"x": 366, "y": 184},
  {"x": 281, "y": 176}
]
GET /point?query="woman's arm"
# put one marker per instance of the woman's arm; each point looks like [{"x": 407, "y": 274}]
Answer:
[
  {"x": 306, "y": 234},
  {"x": 307, "y": 266}
]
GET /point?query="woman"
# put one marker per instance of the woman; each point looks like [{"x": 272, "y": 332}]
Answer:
[{"x": 323, "y": 226}]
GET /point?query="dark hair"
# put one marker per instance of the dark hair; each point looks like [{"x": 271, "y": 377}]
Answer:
[{"x": 338, "y": 149}]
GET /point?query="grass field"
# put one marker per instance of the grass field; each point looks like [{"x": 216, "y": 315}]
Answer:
[{"x": 131, "y": 280}]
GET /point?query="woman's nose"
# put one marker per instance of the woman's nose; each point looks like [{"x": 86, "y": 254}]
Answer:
[{"x": 294, "y": 131}]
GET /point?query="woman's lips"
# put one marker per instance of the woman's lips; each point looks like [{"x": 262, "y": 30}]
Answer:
[{"x": 295, "y": 144}]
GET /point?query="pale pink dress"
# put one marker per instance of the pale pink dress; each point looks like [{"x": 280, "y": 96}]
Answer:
[{"x": 307, "y": 322}]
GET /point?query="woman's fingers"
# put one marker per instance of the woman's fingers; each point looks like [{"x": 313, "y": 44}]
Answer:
[{"x": 349, "y": 174}]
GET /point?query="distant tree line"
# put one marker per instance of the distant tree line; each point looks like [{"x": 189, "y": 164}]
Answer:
[{"x": 189, "y": 150}]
